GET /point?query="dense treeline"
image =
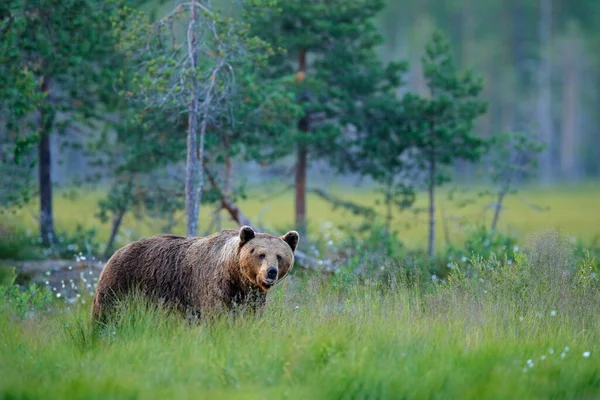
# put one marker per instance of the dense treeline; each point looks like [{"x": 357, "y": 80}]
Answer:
[{"x": 539, "y": 62}]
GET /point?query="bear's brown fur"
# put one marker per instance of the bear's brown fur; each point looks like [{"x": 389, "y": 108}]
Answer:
[{"x": 198, "y": 275}]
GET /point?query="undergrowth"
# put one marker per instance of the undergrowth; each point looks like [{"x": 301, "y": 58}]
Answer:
[{"x": 523, "y": 329}]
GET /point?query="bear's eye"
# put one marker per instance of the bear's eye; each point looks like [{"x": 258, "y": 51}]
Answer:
[
  {"x": 279, "y": 258},
  {"x": 261, "y": 256},
  {"x": 251, "y": 251}
]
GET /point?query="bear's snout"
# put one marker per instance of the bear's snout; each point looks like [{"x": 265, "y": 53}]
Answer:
[{"x": 272, "y": 274}]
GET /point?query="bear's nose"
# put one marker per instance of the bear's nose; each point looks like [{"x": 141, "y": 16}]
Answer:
[{"x": 272, "y": 273}]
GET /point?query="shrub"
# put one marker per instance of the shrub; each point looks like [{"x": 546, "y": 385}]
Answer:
[{"x": 33, "y": 299}]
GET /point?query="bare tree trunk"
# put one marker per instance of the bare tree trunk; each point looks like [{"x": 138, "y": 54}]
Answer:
[
  {"x": 113, "y": 231},
  {"x": 432, "y": 166},
  {"x": 200, "y": 153},
  {"x": 193, "y": 161},
  {"x": 117, "y": 219},
  {"x": 300, "y": 180},
  {"x": 301, "y": 159},
  {"x": 388, "y": 203},
  {"x": 498, "y": 207},
  {"x": 545, "y": 89},
  {"x": 45, "y": 174}
]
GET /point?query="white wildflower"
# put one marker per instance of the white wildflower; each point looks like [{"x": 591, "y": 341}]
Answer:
[{"x": 586, "y": 354}]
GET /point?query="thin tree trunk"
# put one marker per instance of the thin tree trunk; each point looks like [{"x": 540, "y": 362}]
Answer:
[
  {"x": 300, "y": 184},
  {"x": 431, "y": 204},
  {"x": 193, "y": 162},
  {"x": 116, "y": 224},
  {"x": 301, "y": 159},
  {"x": 498, "y": 207},
  {"x": 45, "y": 174},
  {"x": 388, "y": 203},
  {"x": 118, "y": 219},
  {"x": 515, "y": 158},
  {"x": 200, "y": 154},
  {"x": 545, "y": 89}
]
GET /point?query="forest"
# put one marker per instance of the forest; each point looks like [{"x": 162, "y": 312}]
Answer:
[{"x": 439, "y": 159}]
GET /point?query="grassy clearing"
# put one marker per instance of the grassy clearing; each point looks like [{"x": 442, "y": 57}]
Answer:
[
  {"x": 526, "y": 330},
  {"x": 569, "y": 209}
]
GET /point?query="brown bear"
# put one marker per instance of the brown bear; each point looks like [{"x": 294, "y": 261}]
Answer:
[{"x": 198, "y": 275}]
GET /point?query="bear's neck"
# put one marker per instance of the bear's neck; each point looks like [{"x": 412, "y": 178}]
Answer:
[{"x": 239, "y": 290}]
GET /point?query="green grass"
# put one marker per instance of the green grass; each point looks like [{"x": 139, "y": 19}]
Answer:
[
  {"x": 569, "y": 209},
  {"x": 469, "y": 339}
]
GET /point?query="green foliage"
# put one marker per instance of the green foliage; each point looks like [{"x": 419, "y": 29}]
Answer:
[
  {"x": 241, "y": 114},
  {"x": 17, "y": 244},
  {"x": 23, "y": 302},
  {"x": 340, "y": 38},
  {"x": 545, "y": 273},
  {"x": 481, "y": 242},
  {"x": 58, "y": 63},
  {"x": 443, "y": 121},
  {"x": 141, "y": 161},
  {"x": 513, "y": 158},
  {"x": 81, "y": 241}
]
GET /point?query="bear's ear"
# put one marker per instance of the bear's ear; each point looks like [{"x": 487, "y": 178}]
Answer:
[
  {"x": 292, "y": 239},
  {"x": 246, "y": 234}
]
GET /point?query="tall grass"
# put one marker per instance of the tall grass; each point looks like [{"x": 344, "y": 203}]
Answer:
[{"x": 492, "y": 330}]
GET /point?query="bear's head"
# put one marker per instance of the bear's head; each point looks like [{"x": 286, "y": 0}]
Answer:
[{"x": 264, "y": 259}]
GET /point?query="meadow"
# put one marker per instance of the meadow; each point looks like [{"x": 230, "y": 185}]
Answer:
[
  {"x": 497, "y": 330},
  {"x": 569, "y": 209},
  {"x": 503, "y": 323}
]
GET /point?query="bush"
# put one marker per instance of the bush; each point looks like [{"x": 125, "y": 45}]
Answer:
[
  {"x": 481, "y": 242},
  {"x": 18, "y": 245},
  {"x": 23, "y": 245},
  {"x": 22, "y": 302},
  {"x": 81, "y": 241}
]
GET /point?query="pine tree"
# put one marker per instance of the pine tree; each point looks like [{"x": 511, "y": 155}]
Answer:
[
  {"x": 329, "y": 47},
  {"x": 442, "y": 122}
]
